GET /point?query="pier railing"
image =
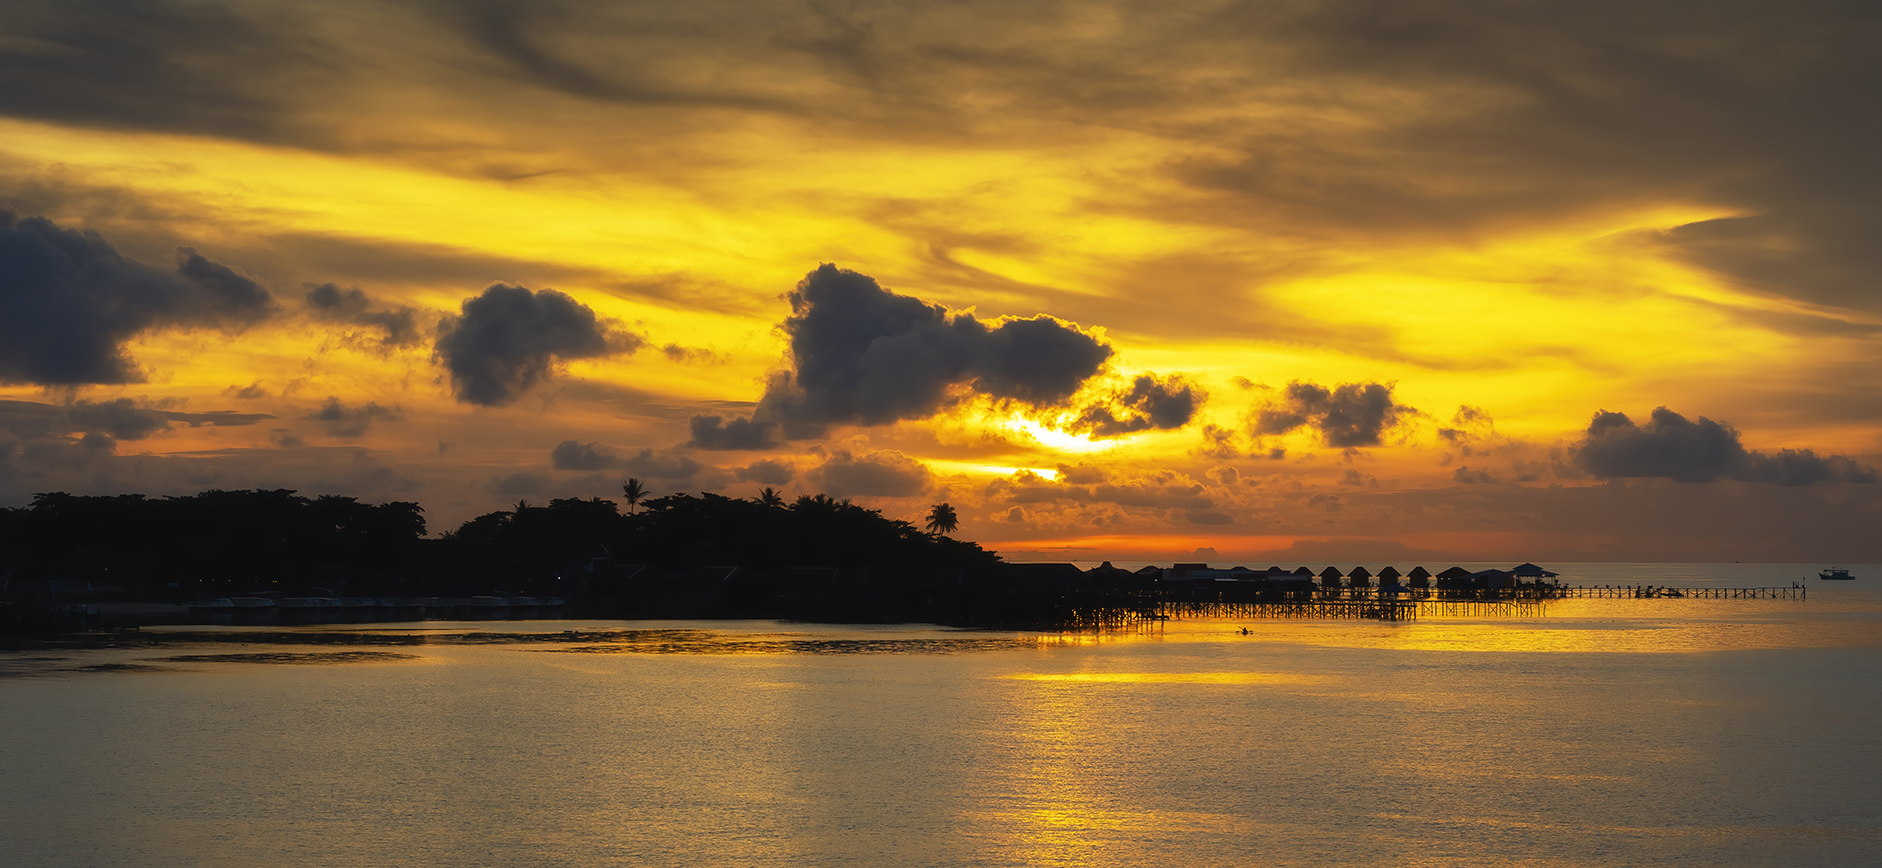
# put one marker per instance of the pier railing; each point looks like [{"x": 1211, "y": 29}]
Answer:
[{"x": 1390, "y": 605}]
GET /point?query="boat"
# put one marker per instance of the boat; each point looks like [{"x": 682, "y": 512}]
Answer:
[{"x": 1836, "y": 574}]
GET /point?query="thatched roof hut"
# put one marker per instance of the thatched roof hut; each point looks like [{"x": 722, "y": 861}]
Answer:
[
  {"x": 1303, "y": 572},
  {"x": 1360, "y": 577},
  {"x": 1454, "y": 573},
  {"x": 1330, "y": 577},
  {"x": 1418, "y": 573},
  {"x": 1531, "y": 571},
  {"x": 1389, "y": 573}
]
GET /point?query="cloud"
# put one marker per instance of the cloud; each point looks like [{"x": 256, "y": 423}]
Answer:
[
  {"x": 343, "y": 421},
  {"x": 249, "y": 392},
  {"x": 648, "y": 464},
  {"x": 880, "y": 474},
  {"x": 1468, "y": 425},
  {"x": 1672, "y": 447},
  {"x": 768, "y": 472},
  {"x": 1149, "y": 403},
  {"x": 571, "y": 455},
  {"x": 678, "y": 353},
  {"x": 509, "y": 338},
  {"x": 118, "y": 419},
  {"x": 69, "y": 303},
  {"x": 741, "y": 433},
  {"x": 1348, "y": 416},
  {"x": 517, "y": 484},
  {"x": 861, "y": 354},
  {"x": 353, "y": 307},
  {"x": 163, "y": 65},
  {"x": 1467, "y": 476}
]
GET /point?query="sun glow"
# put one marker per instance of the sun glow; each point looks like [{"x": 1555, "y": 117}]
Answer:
[{"x": 1059, "y": 439}]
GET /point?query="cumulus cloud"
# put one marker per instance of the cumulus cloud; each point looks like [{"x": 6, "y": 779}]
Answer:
[
  {"x": 343, "y": 421},
  {"x": 1150, "y": 402},
  {"x": 879, "y": 474},
  {"x": 742, "y": 433},
  {"x": 648, "y": 464},
  {"x": 69, "y": 303},
  {"x": 768, "y": 472},
  {"x": 861, "y": 354},
  {"x": 573, "y": 455},
  {"x": 354, "y": 307},
  {"x": 1347, "y": 416},
  {"x": 508, "y": 339},
  {"x": 1670, "y": 446}
]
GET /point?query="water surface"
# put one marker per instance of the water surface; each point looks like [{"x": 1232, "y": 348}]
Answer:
[{"x": 1606, "y": 732}]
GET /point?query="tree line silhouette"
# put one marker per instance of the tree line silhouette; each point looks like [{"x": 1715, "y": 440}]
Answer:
[{"x": 237, "y": 542}]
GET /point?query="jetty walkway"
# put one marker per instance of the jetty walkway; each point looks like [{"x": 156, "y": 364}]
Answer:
[
  {"x": 1388, "y": 605},
  {"x": 1646, "y": 592}
]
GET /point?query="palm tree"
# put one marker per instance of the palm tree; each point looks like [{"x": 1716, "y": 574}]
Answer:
[
  {"x": 634, "y": 491},
  {"x": 521, "y": 505},
  {"x": 770, "y": 497},
  {"x": 942, "y": 519}
]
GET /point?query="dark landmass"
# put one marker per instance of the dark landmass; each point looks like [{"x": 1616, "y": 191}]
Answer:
[
  {"x": 71, "y": 563},
  {"x": 679, "y": 556}
]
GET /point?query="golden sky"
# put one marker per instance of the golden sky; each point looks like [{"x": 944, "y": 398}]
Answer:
[{"x": 1281, "y": 282}]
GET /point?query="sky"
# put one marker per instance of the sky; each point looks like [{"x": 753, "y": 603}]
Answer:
[{"x": 1261, "y": 282}]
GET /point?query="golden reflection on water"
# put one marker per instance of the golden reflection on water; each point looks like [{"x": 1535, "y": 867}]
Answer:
[{"x": 1165, "y": 677}]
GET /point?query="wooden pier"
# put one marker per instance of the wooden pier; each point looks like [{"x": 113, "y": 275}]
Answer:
[
  {"x": 1318, "y": 608},
  {"x": 1648, "y": 592},
  {"x": 1523, "y": 601}
]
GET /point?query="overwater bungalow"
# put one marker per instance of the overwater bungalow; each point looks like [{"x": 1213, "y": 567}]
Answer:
[
  {"x": 1360, "y": 577},
  {"x": 1330, "y": 577},
  {"x": 1388, "y": 577},
  {"x": 1419, "y": 577}
]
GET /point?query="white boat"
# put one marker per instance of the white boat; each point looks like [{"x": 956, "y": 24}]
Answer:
[{"x": 1836, "y": 574}]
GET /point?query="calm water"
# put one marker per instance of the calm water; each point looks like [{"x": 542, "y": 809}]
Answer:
[{"x": 1603, "y": 733}]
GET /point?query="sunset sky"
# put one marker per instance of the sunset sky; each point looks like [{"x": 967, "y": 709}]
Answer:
[{"x": 1255, "y": 282}]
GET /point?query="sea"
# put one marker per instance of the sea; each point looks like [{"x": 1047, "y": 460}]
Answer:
[{"x": 1589, "y": 732}]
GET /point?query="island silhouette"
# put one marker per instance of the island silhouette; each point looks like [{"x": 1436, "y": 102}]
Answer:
[{"x": 274, "y": 556}]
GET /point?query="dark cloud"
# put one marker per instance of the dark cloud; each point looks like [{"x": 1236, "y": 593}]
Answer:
[
  {"x": 118, "y": 418},
  {"x": 679, "y": 353},
  {"x": 880, "y": 474},
  {"x": 572, "y": 455},
  {"x": 714, "y": 432},
  {"x": 1670, "y": 446},
  {"x": 151, "y": 64},
  {"x": 69, "y": 302},
  {"x": 768, "y": 472},
  {"x": 648, "y": 464},
  {"x": 1149, "y": 403},
  {"x": 353, "y": 307},
  {"x": 249, "y": 392},
  {"x": 1467, "y": 476},
  {"x": 1347, "y": 416},
  {"x": 343, "y": 421},
  {"x": 509, "y": 338},
  {"x": 861, "y": 354}
]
